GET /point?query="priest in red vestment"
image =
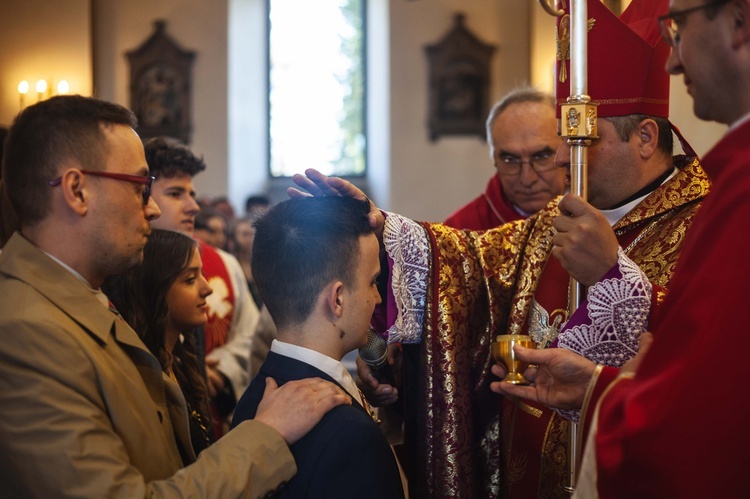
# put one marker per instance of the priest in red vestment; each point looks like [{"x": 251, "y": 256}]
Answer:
[
  {"x": 453, "y": 291},
  {"x": 521, "y": 125},
  {"x": 674, "y": 422}
]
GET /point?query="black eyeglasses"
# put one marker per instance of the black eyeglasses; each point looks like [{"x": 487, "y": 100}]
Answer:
[
  {"x": 510, "y": 166},
  {"x": 670, "y": 24},
  {"x": 135, "y": 179}
]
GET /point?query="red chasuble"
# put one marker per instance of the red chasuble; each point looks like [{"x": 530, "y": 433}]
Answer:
[
  {"x": 680, "y": 428},
  {"x": 474, "y": 443},
  {"x": 489, "y": 210}
]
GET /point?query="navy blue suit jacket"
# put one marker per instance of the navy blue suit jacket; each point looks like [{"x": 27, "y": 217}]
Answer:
[{"x": 344, "y": 456}]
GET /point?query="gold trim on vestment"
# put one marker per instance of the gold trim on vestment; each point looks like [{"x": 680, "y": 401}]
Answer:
[
  {"x": 586, "y": 401},
  {"x": 533, "y": 411}
]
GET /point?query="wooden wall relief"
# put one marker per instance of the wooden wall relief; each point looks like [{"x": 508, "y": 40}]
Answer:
[
  {"x": 459, "y": 89},
  {"x": 161, "y": 86}
]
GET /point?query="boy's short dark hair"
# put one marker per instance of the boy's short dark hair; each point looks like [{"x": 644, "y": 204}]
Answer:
[
  {"x": 167, "y": 157},
  {"x": 300, "y": 246}
]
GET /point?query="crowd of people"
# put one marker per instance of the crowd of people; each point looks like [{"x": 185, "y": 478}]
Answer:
[{"x": 157, "y": 345}]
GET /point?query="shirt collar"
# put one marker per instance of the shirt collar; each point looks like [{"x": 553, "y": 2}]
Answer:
[
  {"x": 98, "y": 294},
  {"x": 615, "y": 214},
  {"x": 328, "y": 365}
]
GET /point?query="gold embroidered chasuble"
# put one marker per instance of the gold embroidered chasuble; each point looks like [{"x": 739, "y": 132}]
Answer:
[{"x": 481, "y": 284}]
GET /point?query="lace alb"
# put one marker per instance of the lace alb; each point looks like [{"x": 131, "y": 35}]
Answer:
[{"x": 408, "y": 247}]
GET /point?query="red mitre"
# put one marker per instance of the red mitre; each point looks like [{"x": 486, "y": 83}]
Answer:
[{"x": 626, "y": 59}]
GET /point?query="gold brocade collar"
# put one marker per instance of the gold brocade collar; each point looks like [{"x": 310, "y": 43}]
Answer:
[{"x": 687, "y": 186}]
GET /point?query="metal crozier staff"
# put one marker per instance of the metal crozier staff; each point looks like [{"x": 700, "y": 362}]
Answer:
[{"x": 578, "y": 127}]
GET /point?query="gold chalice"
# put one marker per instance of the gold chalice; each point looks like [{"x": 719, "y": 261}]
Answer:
[{"x": 503, "y": 353}]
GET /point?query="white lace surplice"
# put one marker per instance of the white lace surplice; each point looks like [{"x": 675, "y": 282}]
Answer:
[
  {"x": 606, "y": 327},
  {"x": 408, "y": 247}
]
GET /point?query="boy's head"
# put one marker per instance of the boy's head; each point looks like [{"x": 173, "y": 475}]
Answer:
[
  {"x": 318, "y": 256},
  {"x": 174, "y": 166}
]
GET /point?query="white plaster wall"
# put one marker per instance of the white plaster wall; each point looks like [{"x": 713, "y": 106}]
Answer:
[{"x": 247, "y": 118}]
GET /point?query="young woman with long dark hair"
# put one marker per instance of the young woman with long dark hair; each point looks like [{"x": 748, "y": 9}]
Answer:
[{"x": 164, "y": 301}]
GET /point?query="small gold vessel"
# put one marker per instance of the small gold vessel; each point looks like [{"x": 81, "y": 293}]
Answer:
[{"x": 503, "y": 353}]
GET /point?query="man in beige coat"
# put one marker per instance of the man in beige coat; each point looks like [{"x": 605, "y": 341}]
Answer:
[{"x": 86, "y": 410}]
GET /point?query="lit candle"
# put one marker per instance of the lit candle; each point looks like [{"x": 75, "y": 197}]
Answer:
[
  {"x": 23, "y": 89},
  {"x": 63, "y": 87},
  {"x": 41, "y": 88}
]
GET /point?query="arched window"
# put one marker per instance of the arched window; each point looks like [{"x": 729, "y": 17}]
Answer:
[{"x": 316, "y": 87}]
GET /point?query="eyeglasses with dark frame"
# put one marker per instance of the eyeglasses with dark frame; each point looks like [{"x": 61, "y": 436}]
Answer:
[
  {"x": 670, "y": 23},
  {"x": 145, "y": 180},
  {"x": 541, "y": 161}
]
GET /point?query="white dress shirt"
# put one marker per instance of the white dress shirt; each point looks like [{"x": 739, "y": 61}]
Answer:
[{"x": 328, "y": 365}]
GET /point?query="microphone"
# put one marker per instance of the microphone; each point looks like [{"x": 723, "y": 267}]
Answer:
[{"x": 375, "y": 355}]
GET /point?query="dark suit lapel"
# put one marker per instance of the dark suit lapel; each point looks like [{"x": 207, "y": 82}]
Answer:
[{"x": 283, "y": 369}]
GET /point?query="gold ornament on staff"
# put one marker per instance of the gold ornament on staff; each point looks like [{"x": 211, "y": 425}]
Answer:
[
  {"x": 579, "y": 127},
  {"x": 562, "y": 42}
]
